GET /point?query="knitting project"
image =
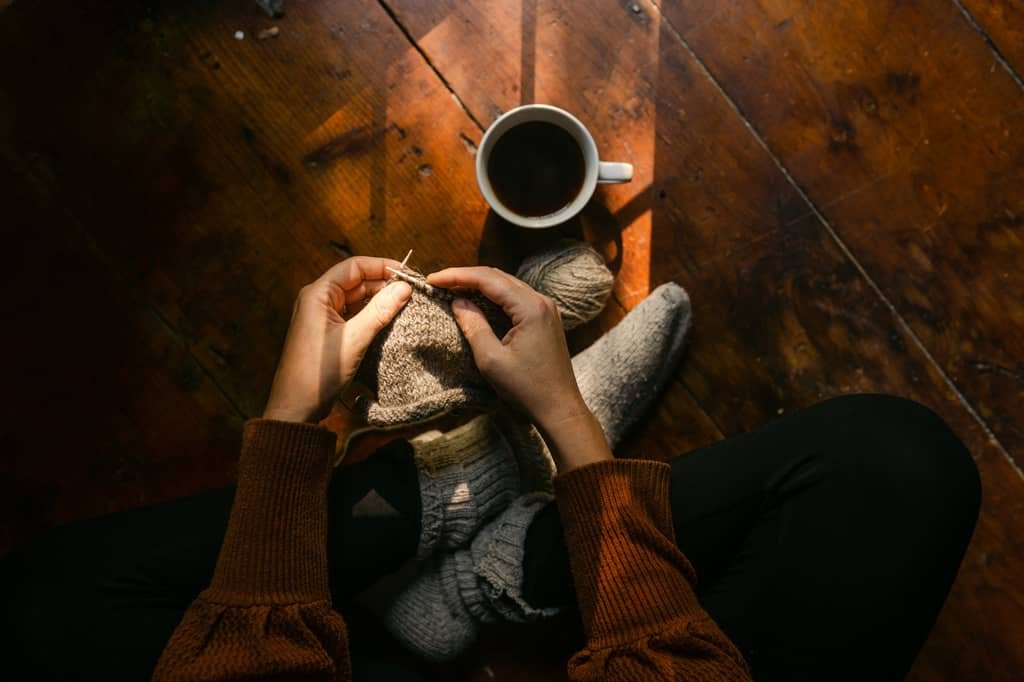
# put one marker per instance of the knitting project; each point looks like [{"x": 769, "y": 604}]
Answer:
[{"x": 421, "y": 365}]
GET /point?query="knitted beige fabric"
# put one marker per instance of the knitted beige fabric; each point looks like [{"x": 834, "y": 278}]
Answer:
[
  {"x": 421, "y": 366},
  {"x": 573, "y": 275}
]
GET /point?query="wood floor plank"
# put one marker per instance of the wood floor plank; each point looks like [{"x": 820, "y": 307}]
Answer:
[
  {"x": 106, "y": 409},
  {"x": 221, "y": 175},
  {"x": 783, "y": 318},
  {"x": 904, "y": 131},
  {"x": 1003, "y": 23}
]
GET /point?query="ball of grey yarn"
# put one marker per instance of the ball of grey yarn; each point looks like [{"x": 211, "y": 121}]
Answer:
[{"x": 575, "y": 276}]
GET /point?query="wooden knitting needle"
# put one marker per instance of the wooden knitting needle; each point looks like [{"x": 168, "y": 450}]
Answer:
[
  {"x": 419, "y": 284},
  {"x": 401, "y": 275},
  {"x": 404, "y": 261}
]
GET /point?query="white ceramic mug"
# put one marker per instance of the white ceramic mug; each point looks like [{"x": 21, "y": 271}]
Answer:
[{"x": 595, "y": 170}]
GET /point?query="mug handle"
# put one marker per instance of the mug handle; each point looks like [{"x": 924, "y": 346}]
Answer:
[{"x": 608, "y": 173}]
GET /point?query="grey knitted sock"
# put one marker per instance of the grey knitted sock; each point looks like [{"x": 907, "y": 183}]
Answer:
[
  {"x": 623, "y": 371},
  {"x": 467, "y": 476},
  {"x": 536, "y": 467},
  {"x": 489, "y": 575},
  {"x": 429, "y": 619}
]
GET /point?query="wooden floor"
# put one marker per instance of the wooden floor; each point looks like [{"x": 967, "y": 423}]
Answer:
[{"x": 839, "y": 185}]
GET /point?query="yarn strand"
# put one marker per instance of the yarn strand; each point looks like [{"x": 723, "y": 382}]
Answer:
[{"x": 574, "y": 276}]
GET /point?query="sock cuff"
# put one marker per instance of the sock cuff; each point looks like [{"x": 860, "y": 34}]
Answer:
[
  {"x": 536, "y": 466},
  {"x": 498, "y": 560},
  {"x": 459, "y": 582}
]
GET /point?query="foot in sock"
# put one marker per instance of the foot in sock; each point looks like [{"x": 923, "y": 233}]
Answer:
[
  {"x": 427, "y": 617},
  {"x": 622, "y": 372},
  {"x": 437, "y": 614}
]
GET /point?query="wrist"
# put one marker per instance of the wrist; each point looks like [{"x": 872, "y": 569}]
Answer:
[
  {"x": 564, "y": 411},
  {"x": 575, "y": 439},
  {"x": 289, "y": 414}
]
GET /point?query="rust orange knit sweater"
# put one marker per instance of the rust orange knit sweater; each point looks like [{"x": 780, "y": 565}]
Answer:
[{"x": 267, "y": 612}]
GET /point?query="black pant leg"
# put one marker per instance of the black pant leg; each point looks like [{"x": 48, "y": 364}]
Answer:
[
  {"x": 106, "y": 593},
  {"x": 827, "y": 541},
  {"x": 824, "y": 542},
  {"x": 100, "y": 598},
  {"x": 374, "y": 518}
]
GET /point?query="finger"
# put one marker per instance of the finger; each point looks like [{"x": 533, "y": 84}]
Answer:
[
  {"x": 363, "y": 291},
  {"x": 477, "y": 330},
  {"x": 349, "y": 273},
  {"x": 370, "y": 289},
  {"x": 500, "y": 287},
  {"x": 376, "y": 315}
]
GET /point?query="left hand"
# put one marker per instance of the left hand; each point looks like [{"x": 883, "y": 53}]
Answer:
[{"x": 323, "y": 349}]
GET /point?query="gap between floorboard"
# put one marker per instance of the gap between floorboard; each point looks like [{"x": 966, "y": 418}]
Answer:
[
  {"x": 973, "y": 23},
  {"x": 98, "y": 253},
  {"x": 900, "y": 321},
  {"x": 437, "y": 72}
]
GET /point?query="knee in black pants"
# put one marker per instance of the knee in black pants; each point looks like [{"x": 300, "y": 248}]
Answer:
[
  {"x": 864, "y": 506},
  {"x": 911, "y": 449}
]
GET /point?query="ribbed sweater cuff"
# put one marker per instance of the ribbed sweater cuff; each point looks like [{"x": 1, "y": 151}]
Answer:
[
  {"x": 275, "y": 547},
  {"x": 630, "y": 576}
]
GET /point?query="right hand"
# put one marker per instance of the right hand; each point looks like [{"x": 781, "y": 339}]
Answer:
[{"x": 530, "y": 367}]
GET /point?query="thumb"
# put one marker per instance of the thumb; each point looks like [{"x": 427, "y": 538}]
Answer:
[
  {"x": 377, "y": 314},
  {"x": 476, "y": 329}
]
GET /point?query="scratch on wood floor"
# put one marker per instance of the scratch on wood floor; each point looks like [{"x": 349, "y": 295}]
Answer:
[{"x": 352, "y": 141}]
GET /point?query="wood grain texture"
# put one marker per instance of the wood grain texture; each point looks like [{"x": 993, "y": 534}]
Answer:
[
  {"x": 904, "y": 131},
  {"x": 850, "y": 113},
  {"x": 232, "y": 171},
  {"x": 105, "y": 408},
  {"x": 213, "y": 178},
  {"x": 1002, "y": 22}
]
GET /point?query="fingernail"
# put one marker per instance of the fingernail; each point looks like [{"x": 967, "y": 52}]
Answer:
[
  {"x": 460, "y": 304},
  {"x": 402, "y": 290}
]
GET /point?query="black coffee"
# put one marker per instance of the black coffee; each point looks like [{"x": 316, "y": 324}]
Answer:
[{"x": 536, "y": 169}]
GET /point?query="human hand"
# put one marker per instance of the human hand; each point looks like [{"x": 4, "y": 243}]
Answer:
[
  {"x": 530, "y": 367},
  {"x": 323, "y": 349}
]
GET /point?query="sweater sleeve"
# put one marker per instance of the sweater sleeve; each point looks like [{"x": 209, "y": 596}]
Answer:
[
  {"x": 267, "y": 613},
  {"x": 633, "y": 585}
]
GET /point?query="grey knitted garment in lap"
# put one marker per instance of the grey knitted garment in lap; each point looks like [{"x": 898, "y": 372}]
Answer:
[
  {"x": 428, "y": 617},
  {"x": 489, "y": 573},
  {"x": 438, "y": 614},
  {"x": 619, "y": 376},
  {"x": 420, "y": 365},
  {"x": 467, "y": 476},
  {"x": 471, "y": 473},
  {"x": 469, "y": 482}
]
